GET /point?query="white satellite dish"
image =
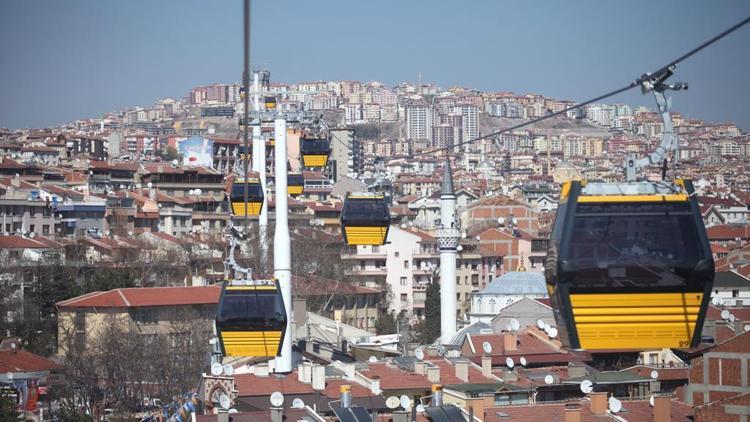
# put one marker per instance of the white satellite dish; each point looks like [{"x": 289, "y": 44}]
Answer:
[
  {"x": 501, "y": 220},
  {"x": 746, "y": 327},
  {"x": 191, "y": 191},
  {"x": 198, "y": 191},
  {"x": 654, "y": 374},
  {"x": 587, "y": 386},
  {"x": 138, "y": 185},
  {"x": 523, "y": 361},
  {"x": 420, "y": 408},
  {"x": 277, "y": 399},
  {"x": 419, "y": 353},
  {"x": 392, "y": 402},
  {"x": 549, "y": 379},
  {"x": 228, "y": 370},
  {"x": 509, "y": 362},
  {"x": 404, "y": 401},
  {"x": 224, "y": 401},
  {"x": 297, "y": 403},
  {"x": 487, "y": 347},
  {"x": 614, "y": 405},
  {"x": 459, "y": 248},
  {"x": 232, "y": 410},
  {"x": 514, "y": 324},
  {"x": 216, "y": 369},
  {"x": 540, "y": 324},
  {"x": 715, "y": 300},
  {"x": 725, "y": 314},
  {"x": 552, "y": 332},
  {"x": 732, "y": 318},
  {"x": 651, "y": 401},
  {"x": 372, "y": 359},
  {"x": 149, "y": 184}
]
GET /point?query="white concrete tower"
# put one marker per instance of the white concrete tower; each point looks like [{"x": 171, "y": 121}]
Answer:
[
  {"x": 282, "y": 248},
  {"x": 447, "y": 237}
]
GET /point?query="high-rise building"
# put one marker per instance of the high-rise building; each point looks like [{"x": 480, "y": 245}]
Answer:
[
  {"x": 470, "y": 121},
  {"x": 345, "y": 154},
  {"x": 419, "y": 118}
]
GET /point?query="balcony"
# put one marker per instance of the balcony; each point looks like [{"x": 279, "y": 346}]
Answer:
[
  {"x": 364, "y": 256},
  {"x": 367, "y": 272}
]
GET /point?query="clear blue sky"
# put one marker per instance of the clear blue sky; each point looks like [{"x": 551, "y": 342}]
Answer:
[{"x": 62, "y": 60}]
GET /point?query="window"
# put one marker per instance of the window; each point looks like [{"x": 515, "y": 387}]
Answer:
[
  {"x": 32, "y": 211},
  {"x": 32, "y": 228},
  {"x": 735, "y": 293},
  {"x": 403, "y": 281},
  {"x": 406, "y": 264},
  {"x": 45, "y": 229},
  {"x": 395, "y": 254},
  {"x": 146, "y": 316},
  {"x": 403, "y": 298}
]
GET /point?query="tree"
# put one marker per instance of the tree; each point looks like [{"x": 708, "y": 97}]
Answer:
[
  {"x": 428, "y": 330},
  {"x": 386, "y": 324},
  {"x": 8, "y": 410},
  {"x": 169, "y": 153}
]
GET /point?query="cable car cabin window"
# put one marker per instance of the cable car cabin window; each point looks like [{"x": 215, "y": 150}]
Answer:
[
  {"x": 634, "y": 246},
  {"x": 365, "y": 212},
  {"x": 261, "y": 310},
  {"x": 254, "y": 191},
  {"x": 315, "y": 146}
]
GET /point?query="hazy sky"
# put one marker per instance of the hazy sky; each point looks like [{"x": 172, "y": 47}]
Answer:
[{"x": 62, "y": 60}]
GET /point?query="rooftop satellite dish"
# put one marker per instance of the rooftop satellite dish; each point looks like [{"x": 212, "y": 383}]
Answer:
[
  {"x": 587, "y": 386},
  {"x": 404, "y": 401},
  {"x": 228, "y": 370},
  {"x": 552, "y": 332},
  {"x": 419, "y": 353},
  {"x": 420, "y": 408},
  {"x": 715, "y": 300},
  {"x": 540, "y": 324},
  {"x": 509, "y": 362},
  {"x": 138, "y": 185},
  {"x": 191, "y": 192},
  {"x": 232, "y": 410},
  {"x": 459, "y": 248},
  {"x": 732, "y": 318},
  {"x": 614, "y": 405},
  {"x": 651, "y": 401},
  {"x": 277, "y": 399},
  {"x": 149, "y": 184},
  {"x": 725, "y": 314},
  {"x": 514, "y": 324},
  {"x": 224, "y": 401},
  {"x": 549, "y": 379},
  {"x": 501, "y": 220},
  {"x": 487, "y": 347},
  {"x": 403, "y": 226},
  {"x": 392, "y": 402},
  {"x": 297, "y": 403},
  {"x": 372, "y": 359},
  {"x": 654, "y": 374},
  {"x": 216, "y": 369},
  {"x": 746, "y": 327},
  {"x": 441, "y": 350},
  {"x": 546, "y": 328},
  {"x": 523, "y": 361}
]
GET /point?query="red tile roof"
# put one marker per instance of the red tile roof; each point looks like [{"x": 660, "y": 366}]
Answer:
[
  {"x": 145, "y": 296},
  {"x": 728, "y": 232},
  {"x": 395, "y": 378},
  {"x": 19, "y": 242},
  {"x": 23, "y": 361},
  {"x": 252, "y": 385}
]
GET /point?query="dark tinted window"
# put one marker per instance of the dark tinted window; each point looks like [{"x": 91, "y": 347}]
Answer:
[
  {"x": 261, "y": 309},
  {"x": 314, "y": 146},
  {"x": 633, "y": 245},
  {"x": 365, "y": 210},
  {"x": 253, "y": 191}
]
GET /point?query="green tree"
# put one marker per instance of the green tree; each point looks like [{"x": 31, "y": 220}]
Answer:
[
  {"x": 386, "y": 324},
  {"x": 169, "y": 153},
  {"x": 109, "y": 278},
  {"x": 428, "y": 330},
  {"x": 8, "y": 410}
]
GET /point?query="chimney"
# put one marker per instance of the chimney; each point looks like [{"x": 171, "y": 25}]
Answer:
[
  {"x": 572, "y": 412},
  {"x": 739, "y": 327},
  {"x": 462, "y": 370},
  {"x": 598, "y": 403},
  {"x": 477, "y": 406},
  {"x": 662, "y": 408},
  {"x": 349, "y": 371},
  {"x": 299, "y": 309},
  {"x": 222, "y": 417},
  {"x": 400, "y": 416},
  {"x": 375, "y": 386},
  {"x": 486, "y": 366},
  {"x": 576, "y": 371},
  {"x": 510, "y": 342},
  {"x": 318, "y": 377},
  {"x": 433, "y": 374},
  {"x": 420, "y": 368},
  {"x": 261, "y": 370}
]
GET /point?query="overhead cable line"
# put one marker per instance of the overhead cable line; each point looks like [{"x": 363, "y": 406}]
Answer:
[{"x": 631, "y": 85}]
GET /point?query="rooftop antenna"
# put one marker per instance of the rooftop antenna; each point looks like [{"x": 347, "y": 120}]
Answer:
[
  {"x": 297, "y": 403},
  {"x": 216, "y": 369},
  {"x": 509, "y": 362},
  {"x": 392, "y": 402},
  {"x": 277, "y": 399},
  {"x": 587, "y": 386},
  {"x": 654, "y": 374},
  {"x": 549, "y": 379},
  {"x": 487, "y": 347},
  {"x": 523, "y": 361},
  {"x": 615, "y": 405}
]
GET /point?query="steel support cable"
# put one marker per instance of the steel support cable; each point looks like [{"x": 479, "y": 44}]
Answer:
[{"x": 633, "y": 84}]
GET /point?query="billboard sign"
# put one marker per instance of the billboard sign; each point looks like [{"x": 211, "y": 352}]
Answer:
[{"x": 196, "y": 151}]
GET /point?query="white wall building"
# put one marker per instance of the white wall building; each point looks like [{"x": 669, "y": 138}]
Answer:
[{"x": 504, "y": 291}]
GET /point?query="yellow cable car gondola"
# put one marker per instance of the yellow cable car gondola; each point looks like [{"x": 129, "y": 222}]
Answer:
[
  {"x": 270, "y": 102},
  {"x": 254, "y": 197},
  {"x": 365, "y": 219},
  {"x": 251, "y": 319},
  {"x": 295, "y": 184},
  {"x": 314, "y": 151},
  {"x": 629, "y": 266}
]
